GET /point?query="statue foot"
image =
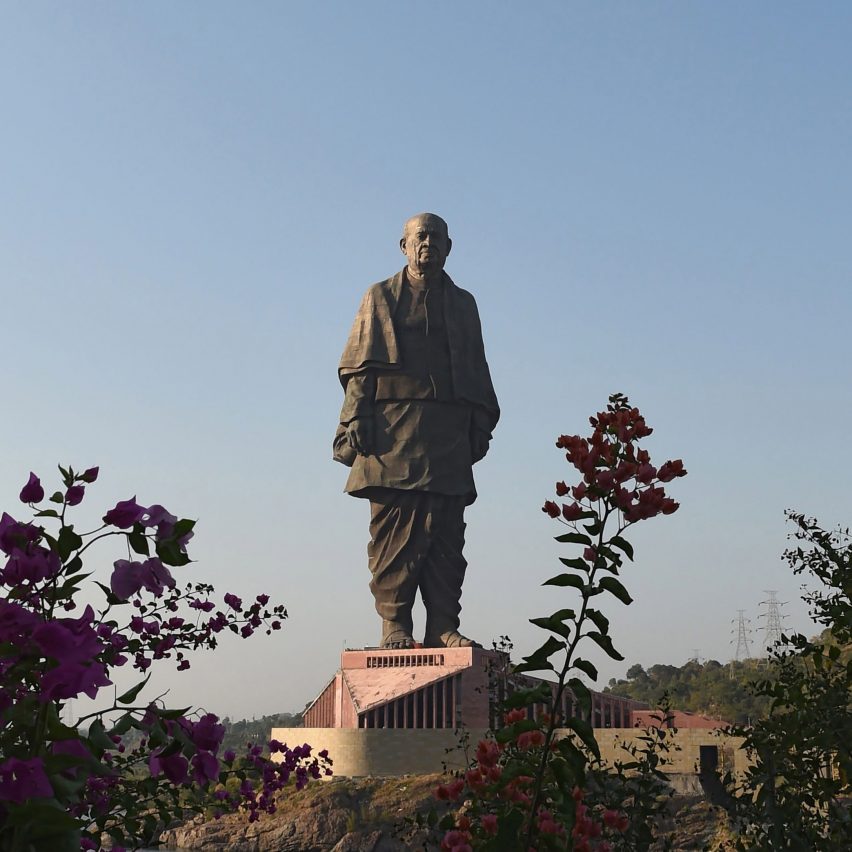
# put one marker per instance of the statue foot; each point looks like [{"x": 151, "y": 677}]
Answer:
[
  {"x": 395, "y": 637},
  {"x": 450, "y": 639}
]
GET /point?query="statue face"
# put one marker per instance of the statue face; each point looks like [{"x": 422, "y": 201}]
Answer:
[{"x": 426, "y": 243}]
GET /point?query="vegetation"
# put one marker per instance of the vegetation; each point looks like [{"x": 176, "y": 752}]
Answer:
[
  {"x": 237, "y": 734},
  {"x": 710, "y": 688},
  {"x": 796, "y": 794}
]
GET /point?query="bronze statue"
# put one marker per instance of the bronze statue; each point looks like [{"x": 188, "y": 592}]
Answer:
[{"x": 418, "y": 412}]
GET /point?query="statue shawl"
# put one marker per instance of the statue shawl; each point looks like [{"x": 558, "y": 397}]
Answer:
[{"x": 372, "y": 341}]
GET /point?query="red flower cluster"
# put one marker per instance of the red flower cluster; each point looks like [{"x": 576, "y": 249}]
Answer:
[
  {"x": 614, "y": 470},
  {"x": 587, "y": 830}
]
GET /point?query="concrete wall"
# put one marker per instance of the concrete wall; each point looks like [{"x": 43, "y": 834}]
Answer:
[
  {"x": 382, "y": 751},
  {"x": 398, "y": 751},
  {"x": 684, "y": 757}
]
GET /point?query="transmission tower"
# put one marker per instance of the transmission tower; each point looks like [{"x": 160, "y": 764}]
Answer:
[
  {"x": 743, "y": 651},
  {"x": 772, "y": 628}
]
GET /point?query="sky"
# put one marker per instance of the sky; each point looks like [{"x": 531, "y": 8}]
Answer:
[{"x": 653, "y": 198}]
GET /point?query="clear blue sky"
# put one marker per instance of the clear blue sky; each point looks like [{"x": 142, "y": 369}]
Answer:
[{"x": 651, "y": 198}]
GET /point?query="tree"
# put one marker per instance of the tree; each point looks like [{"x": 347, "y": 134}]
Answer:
[{"x": 791, "y": 798}]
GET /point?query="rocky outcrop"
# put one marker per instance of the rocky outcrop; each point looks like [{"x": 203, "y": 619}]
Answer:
[
  {"x": 378, "y": 815},
  {"x": 344, "y": 815}
]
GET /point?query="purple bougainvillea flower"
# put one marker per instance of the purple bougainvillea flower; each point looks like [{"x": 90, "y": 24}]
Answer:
[
  {"x": 205, "y": 767},
  {"x": 69, "y": 680},
  {"x": 32, "y": 492},
  {"x": 17, "y": 624},
  {"x": 14, "y": 534},
  {"x": 155, "y": 576},
  {"x": 90, "y": 475},
  {"x": 70, "y": 640},
  {"x": 24, "y": 779},
  {"x": 74, "y": 495},
  {"x": 124, "y": 514},
  {"x": 175, "y": 767},
  {"x": 126, "y": 578},
  {"x": 207, "y": 733},
  {"x": 31, "y": 565},
  {"x": 158, "y": 516},
  {"x": 233, "y": 601}
]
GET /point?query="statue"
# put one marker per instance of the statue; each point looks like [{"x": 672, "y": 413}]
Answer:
[{"x": 418, "y": 412}]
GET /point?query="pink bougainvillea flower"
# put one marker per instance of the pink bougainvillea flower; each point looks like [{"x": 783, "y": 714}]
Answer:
[
  {"x": 670, "y": 470},
  {"x": 572, "y": 511},
  {"x": 124, "y": 514},
  {"x": 32, "y": 492},
  {"x": 489, "y": 823},
  {"x": 550, "y": 508}
]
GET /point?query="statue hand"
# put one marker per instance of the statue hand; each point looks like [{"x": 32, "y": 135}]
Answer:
[
  {"x": 361, "y": 434},
  {"x": 479, "y": 442}
]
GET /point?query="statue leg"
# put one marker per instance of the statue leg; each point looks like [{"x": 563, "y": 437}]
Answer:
[
  {"x": 396, "y": 551},
  {"x": 443, "y": 573}
]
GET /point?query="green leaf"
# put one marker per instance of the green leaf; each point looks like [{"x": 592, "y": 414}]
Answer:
[
  {"x": 47, "y": 513},
  {"x": 540, "y": 694},
  {"x": 42, "y": 818},
  {"x": 576, "y": 562},
  {"x": 508, "y": 831},
  {"x": 574, "y": 756},
  {"x": 511, "y": 732},
  {"x": 565, "y": 580},
  {"x": 586, "y": 734},
  {"x": 170, "y": 553},
  {"x": 599, "y": 619},
  {"x": 137, "y": 540},
  {"x": 553, "y": 625},
  {"x": 613, "y": 586},
  {"x": 606, "y": 643},
  {"x": 565, "y": 772},
  {"x": 593, "y": 528},
  {"x": 622, "y": 544},
  {"x": 586, "y": 667},
  {"x": 57, "y": 497},
  {"x": 173, "y": 714},
  {"x": 538, "y": 660},
  {"x": 173, "y": 747},
  {"x": 582, "y": 694},
  {"x": 130, "y": 696},
  {"x": 68, "y": 542},
  {"x": 73, "y": 566},
  {"x": 97, "y": 736},
  {"x": 573, "y": 538}
]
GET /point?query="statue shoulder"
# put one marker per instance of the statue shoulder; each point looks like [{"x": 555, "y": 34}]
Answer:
[{"x": 384, "y": 292}]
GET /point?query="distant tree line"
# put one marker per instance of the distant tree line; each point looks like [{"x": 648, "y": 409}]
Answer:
[
  {"x": 237, "y": 734},
  {"x": 709, "y": 688}
]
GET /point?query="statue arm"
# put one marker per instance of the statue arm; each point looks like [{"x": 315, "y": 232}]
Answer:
[
  {"x": 480, "y": 433},
  {"x": 357, "y": 415}
]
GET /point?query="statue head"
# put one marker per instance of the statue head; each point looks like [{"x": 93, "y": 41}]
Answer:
[{"x": 426, "y": 243}]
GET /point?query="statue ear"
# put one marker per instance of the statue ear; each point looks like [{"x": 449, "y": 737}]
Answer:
[
  {"x": 402, "y": 245},
  {"x": 449, "y": 246}
]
